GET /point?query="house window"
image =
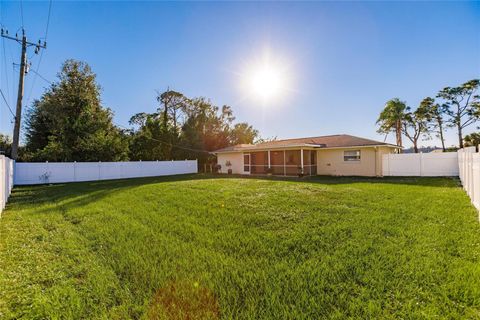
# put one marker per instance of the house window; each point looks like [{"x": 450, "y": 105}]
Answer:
[{"x": 351, "y": 155}]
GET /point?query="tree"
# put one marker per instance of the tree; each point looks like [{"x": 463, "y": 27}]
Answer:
[
  {"x": 173, "y": 104},
  {"x": 5, "y": 145},
  {"x": 472, "y": 139},
  {"x": 69, "y": 123},
  {"x": 435, "y": 115},
  {"x": 415, "y": 124},
  {"x": 391, "y": 118},
  {"x": 463, "y": 106},
  {"x": 243, "y": 133},
  {"x": 208, "y": 128},
  {"x": 151, "y": 141},
  {"x": 186, "y": 128}
]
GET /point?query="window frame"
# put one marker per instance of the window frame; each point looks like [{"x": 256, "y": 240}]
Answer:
[{"x": 352, "y": 158}]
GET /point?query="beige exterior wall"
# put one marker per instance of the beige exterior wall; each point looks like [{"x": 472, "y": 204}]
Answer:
[
  {"x": 236, "y": 158},
  {"x": 330, "y": 162}
]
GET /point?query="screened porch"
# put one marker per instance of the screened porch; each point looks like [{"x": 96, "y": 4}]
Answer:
[{"x": 281, "y": 162}]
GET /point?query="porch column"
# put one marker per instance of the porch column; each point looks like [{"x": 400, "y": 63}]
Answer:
[
  {"x": 301, "y": 158},
  {"x": 269, "y": 165},
  {"x": 284, "y": 164}
]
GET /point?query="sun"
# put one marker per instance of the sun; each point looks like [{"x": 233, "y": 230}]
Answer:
[
  {"x": 266, "y": 82},
  {"x": 266, "y": 79}
]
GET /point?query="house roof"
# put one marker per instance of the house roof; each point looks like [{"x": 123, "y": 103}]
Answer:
[{"x": 332, "y": 141}]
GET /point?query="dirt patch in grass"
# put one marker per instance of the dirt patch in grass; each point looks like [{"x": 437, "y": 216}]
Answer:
[{"x": 183, "y": 300}]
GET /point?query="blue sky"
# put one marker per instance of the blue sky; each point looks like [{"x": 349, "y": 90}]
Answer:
[{"x": 344, "y": 60}]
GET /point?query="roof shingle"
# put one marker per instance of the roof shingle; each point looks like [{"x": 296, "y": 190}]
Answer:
[{"x": 332, "y": 141}]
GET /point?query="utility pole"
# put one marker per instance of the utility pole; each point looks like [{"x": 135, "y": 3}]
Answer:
[{"x": 21, "y": 80}]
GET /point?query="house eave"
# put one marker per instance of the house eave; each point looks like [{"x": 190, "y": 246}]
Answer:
[{"x": 304, "y": 146}]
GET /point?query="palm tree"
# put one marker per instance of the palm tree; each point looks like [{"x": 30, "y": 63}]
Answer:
[{"x": 391, "y": 118}]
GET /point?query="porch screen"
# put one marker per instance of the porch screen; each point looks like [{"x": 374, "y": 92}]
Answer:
[
  {"x": 292, "y": 162},
  {"x": 276, "y": 161},
  {"x": 259, "y": 162},
  {"x": 309, "y": 162}
]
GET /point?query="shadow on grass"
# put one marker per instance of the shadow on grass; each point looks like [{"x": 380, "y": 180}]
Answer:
[
  {"x": 449, "y": 182},
  {"x": 82, "y": 193}
]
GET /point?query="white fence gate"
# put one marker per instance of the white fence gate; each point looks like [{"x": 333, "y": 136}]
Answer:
[
  {"x": 6, "y": 180},
  {"x": 59, "y": 172},
  {"x": 420, "y": 164}
]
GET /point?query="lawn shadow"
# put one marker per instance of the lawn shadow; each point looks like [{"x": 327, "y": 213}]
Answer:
[
  {"x": 442, "y": 182},
  {"x": 82, "y": 193},
  {"x": 77, "y": 194}
]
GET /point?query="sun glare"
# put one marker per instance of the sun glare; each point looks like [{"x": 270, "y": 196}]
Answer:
[
  {"x": 265, "y": 79},
  {"x": 266, "y": 82}
]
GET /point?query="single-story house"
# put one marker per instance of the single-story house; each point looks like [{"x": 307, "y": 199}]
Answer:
[{"x": 338, "y": 155}]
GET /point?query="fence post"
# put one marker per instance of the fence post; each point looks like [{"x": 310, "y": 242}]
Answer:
[
  {"x": 388, "y": 164},
  {"x": 476, "y": 180},
  {"x": 421, "y": 164},
  {"x": 74, "y": 170},
  {"x": 2, "y": 184},
  {"x": 47, "y": 175}
]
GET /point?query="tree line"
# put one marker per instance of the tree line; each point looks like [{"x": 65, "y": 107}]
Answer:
[
  {"x": 452, "y": 107},
  {"x": 69, "y": 123}
]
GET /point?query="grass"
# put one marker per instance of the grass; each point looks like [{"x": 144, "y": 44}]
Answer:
[{"x": 199, "y": 247}]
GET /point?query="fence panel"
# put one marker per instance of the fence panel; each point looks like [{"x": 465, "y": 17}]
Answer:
[
  {"x": 6, "y": 180},
  {"x": 420, "y": 164},
  {"x": 60, "y": 172}
]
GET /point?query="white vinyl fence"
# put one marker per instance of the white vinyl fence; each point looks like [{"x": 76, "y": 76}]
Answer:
[
  {"x": 465, "y": 164},
  {"x": 6, "y": 180},
  {"x": 420, "y": 164},
  {"x": 59, "y": 172},
  {"x": 469, "y": 173}
]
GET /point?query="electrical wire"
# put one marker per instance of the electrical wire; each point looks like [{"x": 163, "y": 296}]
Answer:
[
  {"x": 170, "y": 144},
  {"x": 5, "y": 67},
  {"x": 41, "y": 77},
  {"x": 48, "y": 19},
  {"x": 21, "y": 12},
  {"x": 154, "y": 139},
  {"x": 6, "y": 102},
  {"x": 41, "y": 55}
]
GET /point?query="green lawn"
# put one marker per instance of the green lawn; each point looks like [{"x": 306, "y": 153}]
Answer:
[{"x": 199, "y": 247}]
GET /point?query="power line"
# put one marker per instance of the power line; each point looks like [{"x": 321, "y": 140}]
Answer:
[
  {"x": 41, "y": 54},
  {"x": 6, "y": 102},
  {"x": 5, "y": 68},
  {"x": 48, "y": 19},
  {"x": 21, "y": 83},
  {"x": 170, "y": 144},
  {"x": 4, "y": 52},
  {"x": 154, "y": 139},
  {"x": 21, "y": 11},
  {"x": 41, "y": 77}
]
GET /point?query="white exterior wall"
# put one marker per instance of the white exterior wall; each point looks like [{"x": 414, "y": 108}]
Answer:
[
  {"x": 421, "y": 164},
  {"x": 6, "y": 180},
  {"x": 60, "y": 172},
  {"x": 235, "y": 158}
]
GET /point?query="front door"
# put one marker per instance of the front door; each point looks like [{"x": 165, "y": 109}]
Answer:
[{"x": 246, "y": 163}]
